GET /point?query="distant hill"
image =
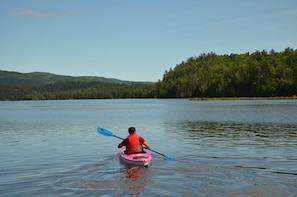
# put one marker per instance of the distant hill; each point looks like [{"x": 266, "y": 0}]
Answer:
[{"x": 42, "y": 78}]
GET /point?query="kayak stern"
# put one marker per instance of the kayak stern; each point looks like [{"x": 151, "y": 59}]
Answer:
[{"x": 139, "y": 159}]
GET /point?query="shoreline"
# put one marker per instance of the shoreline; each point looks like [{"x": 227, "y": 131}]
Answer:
[{"x": 244, "y": 98}]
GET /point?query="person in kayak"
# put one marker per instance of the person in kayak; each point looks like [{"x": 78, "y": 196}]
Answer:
[{"x": 134, "y": 142}]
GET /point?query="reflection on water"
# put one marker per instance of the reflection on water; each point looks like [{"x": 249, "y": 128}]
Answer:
[
  {"x": 107, "y": 177},
  {"x": 253, "y": 145},
  {"x": 197, "y": 129},
  {"x": 137, "y": 178}
]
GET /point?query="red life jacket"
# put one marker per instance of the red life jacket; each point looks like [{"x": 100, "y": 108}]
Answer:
[{"x": 134, "y": 143}]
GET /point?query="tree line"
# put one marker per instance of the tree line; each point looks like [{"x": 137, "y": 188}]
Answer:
[
  {"x": 75, "y": 90},
  {"x": 259, "y": 74}
]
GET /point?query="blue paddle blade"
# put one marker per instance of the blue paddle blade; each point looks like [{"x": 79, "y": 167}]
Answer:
[
  {"x": 104, "y": 131},
  {"x": 166, "y": 156},
  {"x": 170, "y": 157}
]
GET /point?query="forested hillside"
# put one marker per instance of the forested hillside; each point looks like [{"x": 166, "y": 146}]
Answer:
[
  {"x": 42, "y": 78},
  {"x": 260, "y": 73},
  {"x": 76, "y": 90},
  {"x": 47, "y": 86}
]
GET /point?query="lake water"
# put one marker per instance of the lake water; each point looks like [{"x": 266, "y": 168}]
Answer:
[{"x": 222, "y": 148}]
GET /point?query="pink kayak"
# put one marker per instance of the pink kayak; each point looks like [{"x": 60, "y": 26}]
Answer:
[{"x": 139, "y": 159}]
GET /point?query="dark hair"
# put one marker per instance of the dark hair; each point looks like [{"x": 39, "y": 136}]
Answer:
[{"x": 131, "y": 130}]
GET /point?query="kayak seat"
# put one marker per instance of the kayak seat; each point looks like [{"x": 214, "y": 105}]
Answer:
[
  {"x": 142, "y": 152},
  {"x": 139, "y": 157}
]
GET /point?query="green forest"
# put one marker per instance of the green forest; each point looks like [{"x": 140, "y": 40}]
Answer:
[
  {"x": 76, "y": 90},
  {"x": 257, "y": 74}
]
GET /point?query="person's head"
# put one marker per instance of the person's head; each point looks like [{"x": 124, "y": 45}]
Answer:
[{"x": 131, "y": 130}]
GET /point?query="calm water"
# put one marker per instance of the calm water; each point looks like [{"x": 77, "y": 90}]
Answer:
[{"x": 223, "y": 148}]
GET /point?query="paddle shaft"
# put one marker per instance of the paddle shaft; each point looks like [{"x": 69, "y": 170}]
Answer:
[
  {"x": 118, "y": 137},
  {"x": 158, "y": 153}
]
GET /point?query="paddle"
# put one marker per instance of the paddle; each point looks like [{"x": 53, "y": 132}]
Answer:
[{"x": 109, "y": 133}]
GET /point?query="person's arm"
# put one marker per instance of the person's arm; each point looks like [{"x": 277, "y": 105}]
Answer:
[
  {"x": 120, "y": 145},
  {"x": 146, "y": 145},
  {"x": 123, "y": 143}
]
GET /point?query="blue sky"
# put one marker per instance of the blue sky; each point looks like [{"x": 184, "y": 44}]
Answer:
[{"x": 136, "y": 40}]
